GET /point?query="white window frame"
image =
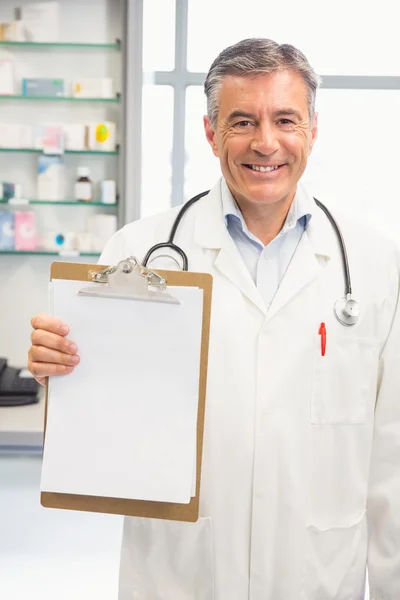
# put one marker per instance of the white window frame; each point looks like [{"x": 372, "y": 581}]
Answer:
[{"x": 180, "y": 79}]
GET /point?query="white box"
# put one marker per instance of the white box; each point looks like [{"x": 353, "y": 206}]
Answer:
[
  {"x": 108, "y": 191},
  {"x": 15, "y": 135},
  {"x": 8, "y": 136},
  {"x": 40, "y": 21},
  {"x": 60, "y": 241},
  {"x": 75, "y": 136},
  {"x": 14, "y": 32},
  {"x": 102, "y": 136},
  {"x": 49, "y": 137},
  {"x": 25, "y": 136},
  {"x": 90, "y": 87},
  {"x": 50, "y": 178},
  {"x": 7, "y": 80}
]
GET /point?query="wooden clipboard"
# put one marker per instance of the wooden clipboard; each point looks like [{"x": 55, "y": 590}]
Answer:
[{"x": 140, "y": 508}]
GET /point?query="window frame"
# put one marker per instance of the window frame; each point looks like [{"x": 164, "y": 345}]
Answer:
[{"x": 180, "y": 79}]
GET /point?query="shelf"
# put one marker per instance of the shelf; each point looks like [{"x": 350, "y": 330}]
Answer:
[
  {"x": 115, "y": 100},
  {"x": 26, "y": 202},
  {"x": 71, "y": 45},
  {"x": 63, "y": 253},
  {"x": 36, "y": 151}
]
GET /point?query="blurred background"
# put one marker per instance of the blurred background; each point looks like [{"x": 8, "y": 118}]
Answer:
[{"x": 101, "y": 106}]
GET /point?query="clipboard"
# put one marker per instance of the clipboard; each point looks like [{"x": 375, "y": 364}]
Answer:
[{"x": 122, "y": 506}]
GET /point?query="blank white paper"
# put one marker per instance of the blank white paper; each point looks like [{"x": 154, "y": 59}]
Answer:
[{"x": 124, "y": 423}]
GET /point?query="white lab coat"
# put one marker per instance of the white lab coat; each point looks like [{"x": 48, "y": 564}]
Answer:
[{"x": 301, "y": 452}]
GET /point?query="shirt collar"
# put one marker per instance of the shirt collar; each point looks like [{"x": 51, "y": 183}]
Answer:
[{"x": 302, "y": 207}]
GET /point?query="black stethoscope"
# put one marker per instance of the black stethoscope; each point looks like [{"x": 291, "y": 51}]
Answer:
[{"x": 346, "y": 309}]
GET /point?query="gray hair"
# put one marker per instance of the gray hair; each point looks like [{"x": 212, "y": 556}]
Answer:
[{"x": 251, "y": 58}]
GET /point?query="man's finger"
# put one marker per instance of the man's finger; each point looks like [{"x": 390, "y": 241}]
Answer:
[
  {"x": 49, "y": 323},
  {"x": 42, "y": 354},
  {"x": 41, "y": 337},
  {"x": 41, "y": 370}
]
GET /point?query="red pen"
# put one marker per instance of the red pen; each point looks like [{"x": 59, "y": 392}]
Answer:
[{"x": 322, "y": 333}]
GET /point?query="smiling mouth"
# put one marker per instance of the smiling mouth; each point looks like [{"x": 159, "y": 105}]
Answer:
[{"x": 263, "y": 169}]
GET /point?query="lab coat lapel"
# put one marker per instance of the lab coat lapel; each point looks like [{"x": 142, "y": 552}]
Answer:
[
  {"x": 231, "y": 265},
  {"x": 312, "y": 254},
  {"x": 211, "y": 232}
]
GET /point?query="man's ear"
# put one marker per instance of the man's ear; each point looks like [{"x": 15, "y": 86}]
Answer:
[
  {"x": 210, "y": 135},
  {"x": 314, "y": 133}
]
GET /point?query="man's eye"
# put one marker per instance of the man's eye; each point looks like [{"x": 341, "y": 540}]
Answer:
[
  {"x": 285, "y": 122},
  {"x": 242, "y": 124}
]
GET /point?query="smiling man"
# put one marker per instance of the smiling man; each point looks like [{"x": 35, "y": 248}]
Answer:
[
  {"x": 300, "y": 485},
  {"x": 263, "y": 133}
]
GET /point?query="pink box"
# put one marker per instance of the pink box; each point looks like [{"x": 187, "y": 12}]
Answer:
[{"x": 25, "y": 230}]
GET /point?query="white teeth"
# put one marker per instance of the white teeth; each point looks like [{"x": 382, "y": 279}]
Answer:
[{"x": 264, "y": 169}]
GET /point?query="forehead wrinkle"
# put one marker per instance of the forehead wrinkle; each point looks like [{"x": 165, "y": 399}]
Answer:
[{"x": 253, "y": 101}]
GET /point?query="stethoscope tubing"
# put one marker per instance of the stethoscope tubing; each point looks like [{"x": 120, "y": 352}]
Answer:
[
  {"x": 341, "y": 243},
  {"x": 185, "y": 263}
]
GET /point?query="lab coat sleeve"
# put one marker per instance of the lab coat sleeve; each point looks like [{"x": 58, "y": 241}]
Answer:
[{"x": 383, "y": 509}]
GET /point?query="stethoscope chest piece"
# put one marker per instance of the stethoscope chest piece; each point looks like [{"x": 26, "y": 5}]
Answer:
[{"x": 347, "y": 311}]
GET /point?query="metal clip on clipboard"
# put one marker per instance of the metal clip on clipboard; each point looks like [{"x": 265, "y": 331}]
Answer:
[{"x": 130, "y": 280}]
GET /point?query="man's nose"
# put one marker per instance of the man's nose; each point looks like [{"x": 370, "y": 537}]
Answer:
[{"x": 265, "y": 139}]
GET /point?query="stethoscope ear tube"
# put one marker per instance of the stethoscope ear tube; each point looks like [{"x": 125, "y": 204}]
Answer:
[
  {"x": 170, "y": 244},
  {"x": 181, "y": 213}
]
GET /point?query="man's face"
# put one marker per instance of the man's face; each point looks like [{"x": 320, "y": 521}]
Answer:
[{"x": 263, "y": 122}]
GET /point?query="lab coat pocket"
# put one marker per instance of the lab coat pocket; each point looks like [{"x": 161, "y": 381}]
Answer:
[
  {"x": 166, "y": 560},
  {"x": 344, "y": 380},
  {"x": 335, "y": 559}
]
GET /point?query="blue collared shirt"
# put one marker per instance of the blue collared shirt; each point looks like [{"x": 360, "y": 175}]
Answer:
[{"x": 267, "y": 264}]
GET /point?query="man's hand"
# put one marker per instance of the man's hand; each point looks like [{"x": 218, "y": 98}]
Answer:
[{"x": 51, "y": 353}]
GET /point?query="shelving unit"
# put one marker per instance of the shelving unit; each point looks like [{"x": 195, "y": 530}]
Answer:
[
  {"x": 67, "y": 45},
  {"x": 97, "y": 39},
  {"x": 115, "y": 100},
  {"x": 36, "y": 151},
  {"x": 69, "y": 253},
  {"x": 52, "y": 216},
  {"x": 25, "y": 202}
]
